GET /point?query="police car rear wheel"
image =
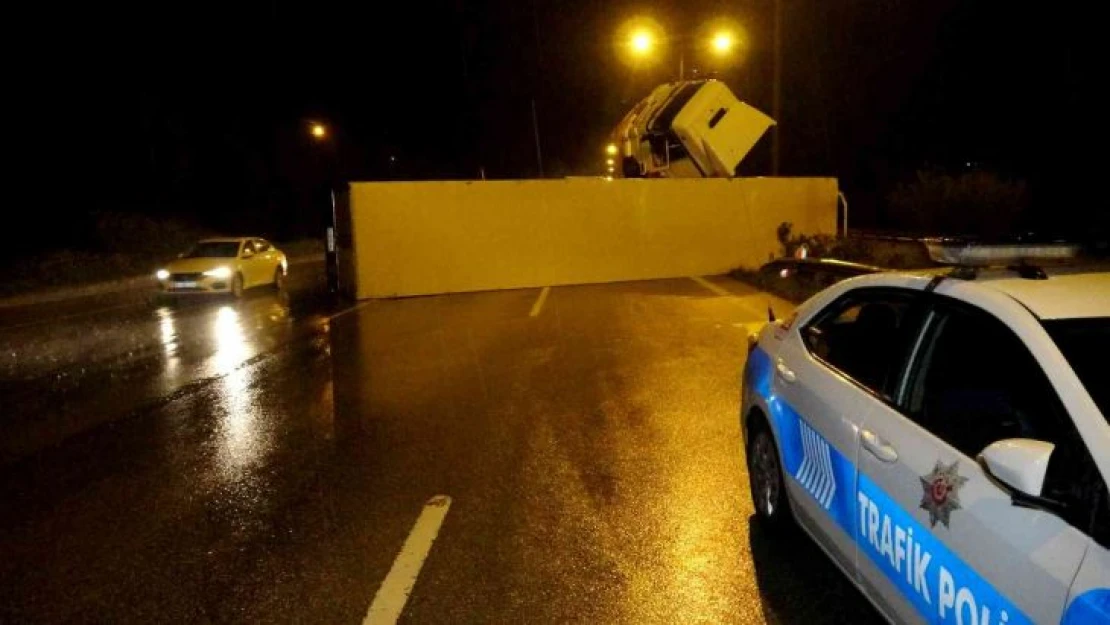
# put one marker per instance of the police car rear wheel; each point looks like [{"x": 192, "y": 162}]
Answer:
[{"x": 765, "y": 474}]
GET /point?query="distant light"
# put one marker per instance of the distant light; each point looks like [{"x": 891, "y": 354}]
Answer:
[
  {"x": 608, "y": 161},
  {"x": 610, "y": 178},
  {"x": 392, "y": 159},
  {"x": 611, "y": 170},
  {"x": 319, "y": 131},
  {"x": 642, "y": 42},
  {"x": 611, "y": 149},
  {"x": 723, "y": 42}
]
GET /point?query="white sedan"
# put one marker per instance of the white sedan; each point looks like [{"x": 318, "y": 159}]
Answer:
[
  {"x": 944, "y": 440},
  {"x": 225, "y": 265}
]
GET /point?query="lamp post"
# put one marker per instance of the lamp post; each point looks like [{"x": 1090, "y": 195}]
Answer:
[
  {"x": 319, "y": 132},
  {"x": 776, "y": 96}
]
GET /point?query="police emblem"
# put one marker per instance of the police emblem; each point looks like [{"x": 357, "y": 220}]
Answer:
[{"x": 942, "y": 492}]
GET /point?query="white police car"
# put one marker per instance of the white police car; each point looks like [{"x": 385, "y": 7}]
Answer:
[{"x": 945, "y": 440}]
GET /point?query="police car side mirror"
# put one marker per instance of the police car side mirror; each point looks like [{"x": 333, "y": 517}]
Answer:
[{"x": 1018, "y": 466}]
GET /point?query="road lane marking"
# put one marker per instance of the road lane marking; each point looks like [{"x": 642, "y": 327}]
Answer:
[
  {"x": 538, "y": 306},
  {"x": 743, "y": 300},
  {"x": 709, "y": 285},
  {"x": 397, "y": 585},
  {"x": 358, "y": 306}
]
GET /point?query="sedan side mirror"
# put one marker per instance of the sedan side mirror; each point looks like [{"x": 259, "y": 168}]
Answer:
[
  {"x": 1019, "y": 466},
  {"x": 246, "y": 254}
]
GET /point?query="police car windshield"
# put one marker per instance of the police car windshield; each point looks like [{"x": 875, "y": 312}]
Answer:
[{"x": 1086, "y": 345}]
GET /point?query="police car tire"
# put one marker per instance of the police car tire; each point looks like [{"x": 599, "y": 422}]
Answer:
[{"x": 772, "y": 509}]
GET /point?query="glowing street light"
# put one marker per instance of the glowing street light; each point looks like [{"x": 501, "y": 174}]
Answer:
[
  {"x": 609, "y": 162},
  {"x": 319, "y": 131},
  {"x": 642, "y": 42},
  {"x": 611, "y": 149},
  {"x": 723, "y": 42}
]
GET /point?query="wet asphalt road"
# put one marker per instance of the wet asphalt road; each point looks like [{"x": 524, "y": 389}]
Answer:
[{"x": 265, "y": 460}]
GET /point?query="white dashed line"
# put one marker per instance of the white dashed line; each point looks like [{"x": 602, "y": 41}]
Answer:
[
  {"x": 397, "y": 585},
  {"x": 538, "y": 306}
]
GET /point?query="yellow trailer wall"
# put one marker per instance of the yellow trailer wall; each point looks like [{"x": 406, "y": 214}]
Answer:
[{"x": 418, "y": 238}]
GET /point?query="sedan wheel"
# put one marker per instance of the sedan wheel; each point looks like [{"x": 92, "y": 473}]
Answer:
[
  {"x": 765, "y": 474},
  {"x": 237, "y": 286},
  {"x": 279, "y": 279}
]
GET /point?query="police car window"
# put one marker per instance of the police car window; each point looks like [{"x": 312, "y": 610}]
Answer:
[
  {"x": 861, "y": 335},
  {"x": 979, "y": 384}
]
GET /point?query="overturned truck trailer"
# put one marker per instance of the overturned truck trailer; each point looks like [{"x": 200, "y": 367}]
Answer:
[{"x": 688, "y": 129}]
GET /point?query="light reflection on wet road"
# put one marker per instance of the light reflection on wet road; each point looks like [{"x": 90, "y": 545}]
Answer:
[
  {"x": 254, "y": 462},
  {"x": 75, "y": 365}
]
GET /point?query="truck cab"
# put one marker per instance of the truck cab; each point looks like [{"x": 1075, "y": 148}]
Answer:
[{"x": 688, "y": 129}]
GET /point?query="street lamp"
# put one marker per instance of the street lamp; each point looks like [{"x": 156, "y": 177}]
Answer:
[
  {"x": 643, "y": 40},
  {"x": 641, "y": 43},
  {"x": 639, "y": 40},
  {"x": 319, "y": 132},
  {"x": 611, "y": 149},
  {"x": 723, "y": 42}
]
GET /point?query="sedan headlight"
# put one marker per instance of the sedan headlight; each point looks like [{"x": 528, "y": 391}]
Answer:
[
  {"x": 219, "y": 272},
  {"x": 162, "y": 274}
]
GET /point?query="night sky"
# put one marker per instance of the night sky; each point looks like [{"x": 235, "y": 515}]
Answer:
[{"x": 200, "y": 109}]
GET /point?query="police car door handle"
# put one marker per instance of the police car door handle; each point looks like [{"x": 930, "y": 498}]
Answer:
[
  {"x": 877, "y": 446},
  {"x": 785, "y": 372}
]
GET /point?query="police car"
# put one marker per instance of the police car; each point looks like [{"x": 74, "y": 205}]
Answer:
[{"x": 945, "y": 440}]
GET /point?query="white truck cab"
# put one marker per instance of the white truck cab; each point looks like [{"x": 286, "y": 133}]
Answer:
[{"x": 688, "y": 129}]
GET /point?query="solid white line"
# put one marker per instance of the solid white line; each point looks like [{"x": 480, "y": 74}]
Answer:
[
  {"x": 397, "y": 585},
  {"x": 709, "y": 285},
  {"x": 539, "y": 302}
]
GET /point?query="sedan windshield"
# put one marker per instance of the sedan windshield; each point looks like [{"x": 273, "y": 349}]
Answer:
[
  {"x": 1086, "y": 345},
  {"x": 214, "y": 249}
]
